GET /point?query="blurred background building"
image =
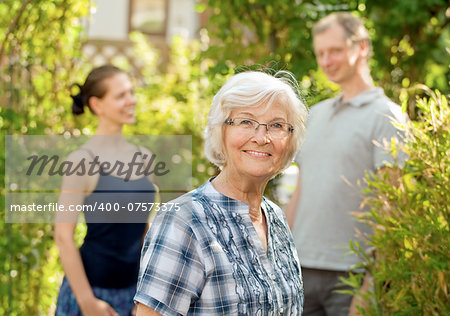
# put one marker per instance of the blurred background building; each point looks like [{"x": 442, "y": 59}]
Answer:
[{"x": 111, "y": 21}]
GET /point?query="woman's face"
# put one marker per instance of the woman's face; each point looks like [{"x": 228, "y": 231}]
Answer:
[
  {"x": 255, "y": 153},
  {"x": 118, "y": 104}
]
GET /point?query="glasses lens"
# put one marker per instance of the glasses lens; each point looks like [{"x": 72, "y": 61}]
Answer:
[
  {"x": 245, "y": 123},
  {"x": 274, "y": 129},
  {"x": 278, "y": 130}
]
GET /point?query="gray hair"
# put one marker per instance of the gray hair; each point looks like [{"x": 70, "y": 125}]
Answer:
[
  {"x": 252, "y": 89},
  {"x": 354, "y": 29}
]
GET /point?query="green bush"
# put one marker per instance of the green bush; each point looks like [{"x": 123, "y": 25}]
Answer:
[
  {"x": 410, "y": 222},
  {"x": 39, "y": 47},
  {"x": 175, "y": 102}
]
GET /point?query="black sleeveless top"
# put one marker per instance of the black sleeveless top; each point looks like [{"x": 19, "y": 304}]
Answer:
[{"x": 112, "y": 246}]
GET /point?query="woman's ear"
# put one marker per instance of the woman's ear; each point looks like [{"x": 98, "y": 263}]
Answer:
[{"x": 95, "y": 105}]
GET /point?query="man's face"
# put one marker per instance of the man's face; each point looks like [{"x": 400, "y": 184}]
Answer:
[{"x": 337, "y": 56}]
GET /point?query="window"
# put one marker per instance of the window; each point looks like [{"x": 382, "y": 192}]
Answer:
[{"x": 149, "y": 16}]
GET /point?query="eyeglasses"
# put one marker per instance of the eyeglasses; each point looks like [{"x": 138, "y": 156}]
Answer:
[{"x": 274, "y": 129}]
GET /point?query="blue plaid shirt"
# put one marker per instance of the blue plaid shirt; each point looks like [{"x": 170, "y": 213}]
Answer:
[{"x": 207, "y": 259}]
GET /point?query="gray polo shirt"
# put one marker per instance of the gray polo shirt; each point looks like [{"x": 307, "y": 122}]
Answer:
[{"x": 338, "y": 148}]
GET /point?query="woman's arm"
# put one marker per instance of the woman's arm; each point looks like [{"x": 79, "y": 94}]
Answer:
[
  {"x": 143, "y": 310},
  {"x": 75, "y": 273},
  {"x": 73, "y": 193}
]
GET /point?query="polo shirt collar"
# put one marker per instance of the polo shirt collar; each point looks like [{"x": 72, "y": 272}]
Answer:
[{"x": 361, "y": 99}]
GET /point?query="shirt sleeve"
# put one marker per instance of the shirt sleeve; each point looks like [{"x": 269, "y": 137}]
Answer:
[
  {"x": 386, "y": 130},
  {"x": 171, "y": 274}
]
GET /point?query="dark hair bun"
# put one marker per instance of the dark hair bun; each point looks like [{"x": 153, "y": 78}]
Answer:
[
  {"x": 77, "y": 105},
  {"x": 78, "y": 101}
]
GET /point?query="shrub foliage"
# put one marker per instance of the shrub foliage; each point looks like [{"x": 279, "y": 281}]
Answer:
[{"x": 410, "y": 221}]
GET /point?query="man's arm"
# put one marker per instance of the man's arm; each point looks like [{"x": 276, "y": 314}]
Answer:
[
  {"x": 359, "y": 300},
  {"x": 391, "y": 177}
]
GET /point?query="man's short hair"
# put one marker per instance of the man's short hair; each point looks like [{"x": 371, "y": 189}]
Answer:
[{"x": 354, "y": 29}]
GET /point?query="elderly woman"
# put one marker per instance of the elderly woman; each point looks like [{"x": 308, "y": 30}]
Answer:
[{"x": 225, "y": 249}]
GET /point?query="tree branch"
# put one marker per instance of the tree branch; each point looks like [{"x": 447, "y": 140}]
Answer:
[{"x": 12, "y": 26}]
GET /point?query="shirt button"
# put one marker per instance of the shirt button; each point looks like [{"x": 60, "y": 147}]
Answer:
[
  {"x": 273, "y": 276},
  {"x": 281, "y": 310}
]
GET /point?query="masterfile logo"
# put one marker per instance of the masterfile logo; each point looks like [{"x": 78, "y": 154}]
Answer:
[{"x": 37, "y": 164}]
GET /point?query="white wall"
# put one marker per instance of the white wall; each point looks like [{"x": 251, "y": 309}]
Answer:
[
  {"x": 183, "y": 19},
  {"x": 109, "y": 20}
]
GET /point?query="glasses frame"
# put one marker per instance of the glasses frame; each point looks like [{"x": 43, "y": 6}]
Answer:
[{"x": 230, "y": 121}]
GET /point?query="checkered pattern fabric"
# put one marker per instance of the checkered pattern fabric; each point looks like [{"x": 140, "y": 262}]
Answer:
[{"x": 206, "y": 259}]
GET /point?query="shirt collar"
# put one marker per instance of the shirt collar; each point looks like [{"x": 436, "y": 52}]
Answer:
[
  {"x": 222, "y": 200},
  {"x": 361, "y": 99}
]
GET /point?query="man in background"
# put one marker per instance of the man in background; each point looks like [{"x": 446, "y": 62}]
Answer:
[{"x": 340, "y": 146}]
